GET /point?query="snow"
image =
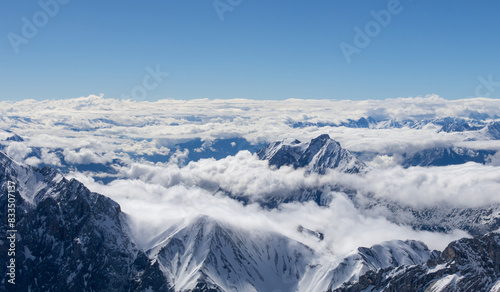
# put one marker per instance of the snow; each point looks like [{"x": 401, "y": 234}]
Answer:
[
  {"x": 238, "y": 260},
  {"x": 319, "y": 155},
  {"x": 436, "y": 268},
  {"x": 495, "y": 287},
  {"x": 229, "y": 257},
  {"x": 30, "y": 182},
  {"x": 443, "y": 283}
]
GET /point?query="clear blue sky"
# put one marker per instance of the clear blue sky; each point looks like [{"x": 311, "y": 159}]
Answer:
[{"x": 262, "y": 49}]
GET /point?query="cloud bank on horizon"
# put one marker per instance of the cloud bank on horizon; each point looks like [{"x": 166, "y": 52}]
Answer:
[
  {"x": 148, "y": 128},
  {"x": 137, "y": 143}
]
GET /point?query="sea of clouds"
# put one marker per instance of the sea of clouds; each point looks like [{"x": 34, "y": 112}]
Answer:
[{"x": 124, "y": 134}]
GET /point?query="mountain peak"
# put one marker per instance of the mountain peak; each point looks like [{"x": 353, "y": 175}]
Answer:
[
  {"x": 220, "y": 256},
  {"x": 319, "y": 155},
  {"x": 321, "y": 138}
]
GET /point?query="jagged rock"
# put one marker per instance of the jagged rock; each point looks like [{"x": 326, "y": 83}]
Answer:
[
  {"x": 69, "y": 239},
  {"x": 362, "y": 264},
  {"x": 468, "y": 264},
  {"x": 319, "y": 155}
]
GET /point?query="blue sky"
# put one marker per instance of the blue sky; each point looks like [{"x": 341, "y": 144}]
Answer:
[{"x": 260, "y": 49}]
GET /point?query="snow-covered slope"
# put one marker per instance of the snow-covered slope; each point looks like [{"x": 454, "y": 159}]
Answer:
[
  {"x": 389, "y": 254},
  {"x": 33, "y": 185},
  {"x": 204, "y": 252},
  {"x": 469, "y": 264},
  {"x": 318, "y": 155},
  {"x": 72, "y": 239}
]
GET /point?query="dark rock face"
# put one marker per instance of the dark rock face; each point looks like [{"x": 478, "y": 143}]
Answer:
[
  {"x": 319, "y": 155},
  {"x": 468, "y": 264},
  {"x": 68, "y": 238},
  {"x": 447, "y": 156}
]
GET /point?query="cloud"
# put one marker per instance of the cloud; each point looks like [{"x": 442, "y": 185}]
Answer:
[
  {"x": 125, "y": 129},
  {"x": 158, "y": 196},
  {"x": 86, "y": 156},
  {"x": 467, "y": 185},
  {"x": 154, "y": 208},
  {"x": 95, "y": 129},
  {"x": 17, "y": 151},
  {"x": 50, "y": 158}
]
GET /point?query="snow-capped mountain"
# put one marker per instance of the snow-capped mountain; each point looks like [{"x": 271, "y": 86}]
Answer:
[
  {"x": 207, "y": 253},
  {"x": 318, "y": 155},
  {"x": 69, "y": 239},
  {"x": 469, "y": 264},
  {"x": 391, "y": 254},
  {"x": 473, "y": 122},
  {"x": 458, "y": 124},
  {"x": 73, "y": 239}
]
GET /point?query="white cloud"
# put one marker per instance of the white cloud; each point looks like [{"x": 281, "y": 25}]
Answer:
[
  {"x": 50, "y": 158},
  {"x": 86, "y": 156},
  {"x": 97, "y": 130},
  {"x": 155, "y": 208},
  {"x": 17, "y": 151},
  {"x": 467, "y": 185}
]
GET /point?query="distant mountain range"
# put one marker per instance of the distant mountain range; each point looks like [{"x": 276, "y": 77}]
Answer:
[
  {"x": 441, "y": 156},
  {"x": 448, "y": 124},
  {"x": 72, "y": 239},
  {"x": 308, "y": 154}
]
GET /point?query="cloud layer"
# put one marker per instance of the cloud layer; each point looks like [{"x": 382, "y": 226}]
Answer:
[{"x": 156, "y": 184}]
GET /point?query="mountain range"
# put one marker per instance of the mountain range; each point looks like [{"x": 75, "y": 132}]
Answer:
[{"x": 72, "y": 239}]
